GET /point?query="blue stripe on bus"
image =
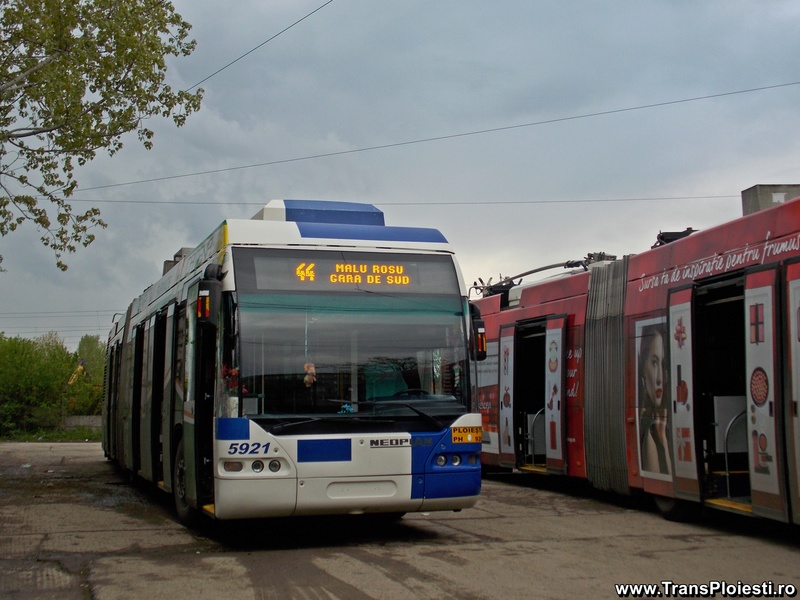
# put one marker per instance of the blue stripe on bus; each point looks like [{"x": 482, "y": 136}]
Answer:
[
  {"x": 428, "y": 480},
  {"x": 455, "y": 484},
  {"x": 320, "y": 211},
  {"x": 324, "y": 451},
  {"x": 371, "y": 232},
  {"x": 233, "y": 429},
  {"x": 420, "y": 459}
]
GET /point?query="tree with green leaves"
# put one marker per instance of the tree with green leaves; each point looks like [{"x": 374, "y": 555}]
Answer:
[
  {"x": 74, "y": 77},
  {"x": 33, "y": 382},
  {"x": 41, "y": 382},
  {"x": 85, "y": 385}
]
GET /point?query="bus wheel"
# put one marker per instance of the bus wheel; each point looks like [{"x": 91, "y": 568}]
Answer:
[
  {"x": 673, "y": 509},
  {"x": 186, "y": 514}
]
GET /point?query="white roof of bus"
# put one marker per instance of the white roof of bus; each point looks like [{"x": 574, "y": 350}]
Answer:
[
  {"x": 277, "y": 233},
  {"x": 295, "y": 223}
]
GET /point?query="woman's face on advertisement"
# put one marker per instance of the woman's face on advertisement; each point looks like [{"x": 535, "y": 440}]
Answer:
[{"x": 653, "y": 369}]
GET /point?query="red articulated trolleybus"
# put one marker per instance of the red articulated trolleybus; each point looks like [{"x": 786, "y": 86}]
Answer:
[
  {"x": 308, "y": 361},
  {"x": 675, "y": 371}
]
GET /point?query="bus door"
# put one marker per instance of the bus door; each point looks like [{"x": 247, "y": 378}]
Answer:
[
  {"x": 529, "y": 423},
  {"x": 722, "y": 415},
  {"x": 792, "y": 393},
  {"x": 112, "y": 396},
  {"x": 681, "y": 391},
  {"x": 193, "y": 393},
  {"x": 554, "y": 391},
  {"x": 506, "y": 380},
  {"x": 198, "y": 409},
  {"x": 133, "y": 430},
  {"x": 121, "y": 402},
  {"x": 763, "y": 396},
  {"x": 537, "y": 361},
  {"x": 145, "y": 443},
  {"x": 177, "y": 395},
  {"x": 168, "y": 397},
  {"x": 155, "y": 425}
]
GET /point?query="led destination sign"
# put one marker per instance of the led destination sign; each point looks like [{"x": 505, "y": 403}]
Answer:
[
  {"x": 377, "y": 274},
  {"x": 265, "y": 269}
]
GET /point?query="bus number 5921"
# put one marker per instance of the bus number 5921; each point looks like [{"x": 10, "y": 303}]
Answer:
[{"x": 247, "y": 448}]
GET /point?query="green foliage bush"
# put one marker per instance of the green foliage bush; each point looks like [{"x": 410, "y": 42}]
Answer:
[{"x": 41, "y": 382}]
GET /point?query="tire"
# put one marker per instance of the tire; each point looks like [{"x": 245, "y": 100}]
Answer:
[
  {"x": 673, "y": 509},
  {"x": 187, "y": 515}
]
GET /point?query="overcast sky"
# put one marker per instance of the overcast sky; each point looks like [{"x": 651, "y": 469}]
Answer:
[{"x": 553, "y": 129}]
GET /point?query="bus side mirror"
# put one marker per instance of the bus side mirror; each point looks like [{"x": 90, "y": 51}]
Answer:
[
  {"x": 478, "y": 338},
  {"x": 208, "y": 301}
]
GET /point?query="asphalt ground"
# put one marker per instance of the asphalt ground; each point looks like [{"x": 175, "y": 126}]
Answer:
[{"x": 73, "y": 527}]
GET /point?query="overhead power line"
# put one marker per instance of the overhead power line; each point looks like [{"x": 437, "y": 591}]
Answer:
[
  {"x": 420, "y": 203},
  {"x": 45, "y": 330},
  {"x": 446, "y": 137},
  {"x": 218, "y": 71},
  {"x": 61, "y": 313}
]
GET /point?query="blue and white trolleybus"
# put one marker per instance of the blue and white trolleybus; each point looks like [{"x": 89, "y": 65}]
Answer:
[{"x": 311, "y": 360}]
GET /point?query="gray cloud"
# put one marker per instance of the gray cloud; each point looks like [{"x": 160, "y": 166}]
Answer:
[{"x": 356, "y": 75}]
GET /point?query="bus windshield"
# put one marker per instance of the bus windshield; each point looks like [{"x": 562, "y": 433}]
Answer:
[{"x": 338, "y": 349}]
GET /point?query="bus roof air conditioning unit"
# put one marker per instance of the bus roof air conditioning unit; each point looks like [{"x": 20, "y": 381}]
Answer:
[{"x": 318, "y": 211}]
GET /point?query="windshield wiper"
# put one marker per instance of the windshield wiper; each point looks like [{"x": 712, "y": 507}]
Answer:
[
  {"x": 420, "y": 412},
  {"x": 430, "y": 418},
  {"x": 345, "y": 423},
  {"x": 284, "y": 426}
]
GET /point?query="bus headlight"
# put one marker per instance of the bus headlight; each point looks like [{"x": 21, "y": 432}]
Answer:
[
  {"x": 257, "y": 466},
  {"x": 456, "y": 460},
  {"x": 441, "y": 460},
  {"x": 274, "y": 466}
]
